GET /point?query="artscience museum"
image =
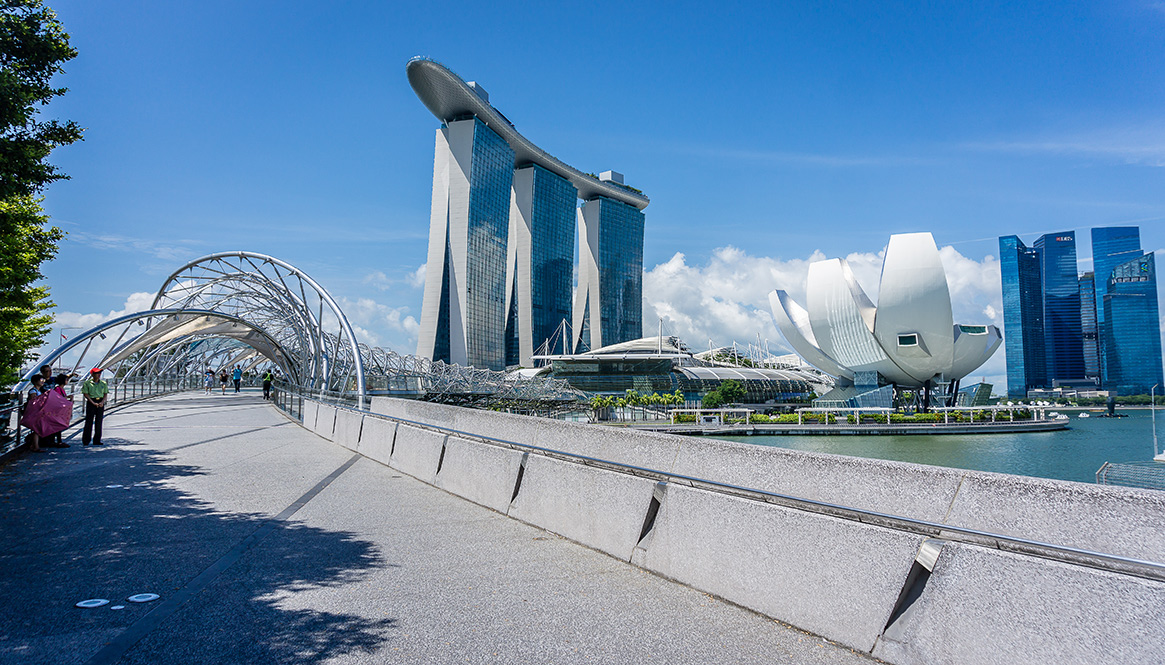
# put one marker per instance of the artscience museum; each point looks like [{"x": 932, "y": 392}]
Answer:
[{"x": 908, "y": 344}]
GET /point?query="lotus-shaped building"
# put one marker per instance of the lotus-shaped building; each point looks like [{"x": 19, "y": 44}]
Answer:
[{"x": 909, "y": 340}]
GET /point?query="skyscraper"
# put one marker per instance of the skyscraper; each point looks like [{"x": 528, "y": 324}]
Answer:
[
  {"x": 463, "y": 312},
  {"x": 1088, "y": 326},
  {"x": 608, "y": 305},
  {"x": 540, "y": 265},
  {"x": 1063, "y": 338},
  {"x": 1130, "y": 331},
  {"x": 501, "y": 236},
  {"x": 1111, "y": 246},
  {"x": 1023, "y": 316}
]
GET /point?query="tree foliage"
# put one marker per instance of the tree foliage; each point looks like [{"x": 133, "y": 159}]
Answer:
[
  {"x": 33, "y": 46},
  {"x": 728, "y": 392}
]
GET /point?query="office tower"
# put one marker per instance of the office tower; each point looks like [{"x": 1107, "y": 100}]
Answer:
[
  {"x": 608, "y": 304},
  {"x": 1132, "y": 323},
  {"x": 1088, "y": 326},
  {"x": 1023, "y": 316},
  {"x": 540, "y": 262},
  {"x": 463, "y": 312},
  {"x": 1060, "y": 285},
  {"x": 1111, "y": 246}
]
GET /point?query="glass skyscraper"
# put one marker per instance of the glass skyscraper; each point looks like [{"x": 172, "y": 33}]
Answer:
[
  {"x": 1088, "y": 326},
  {"x": 1130, "y": 327},
  {"x": 463, "y": 313},
  {"x": 1060, "y": 285},
  {"x": 608, "y": 306},
  {"x": 540, "y": 267},
  {"x": 502, "y": 232},
  {"x": 1111, "y": 246},
  {"x": 1023, "y": 316}
]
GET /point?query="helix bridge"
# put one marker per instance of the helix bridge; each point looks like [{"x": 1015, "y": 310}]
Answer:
[{"x": 261, "y": 313}]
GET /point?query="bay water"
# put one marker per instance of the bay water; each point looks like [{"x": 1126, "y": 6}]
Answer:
[{"x": 1072, "y": 454}]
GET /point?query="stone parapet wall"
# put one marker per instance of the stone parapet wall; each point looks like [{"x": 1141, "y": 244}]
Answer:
[{"x": 898, "y": 595}]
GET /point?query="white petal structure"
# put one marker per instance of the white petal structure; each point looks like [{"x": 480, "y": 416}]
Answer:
[{"x": 909, "y": 338}]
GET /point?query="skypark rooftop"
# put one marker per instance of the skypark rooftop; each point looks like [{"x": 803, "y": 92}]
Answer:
[{"x": 449, "y": 97}]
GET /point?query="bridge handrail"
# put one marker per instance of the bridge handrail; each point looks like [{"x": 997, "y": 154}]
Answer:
[{"x": 1062, "y": 553}]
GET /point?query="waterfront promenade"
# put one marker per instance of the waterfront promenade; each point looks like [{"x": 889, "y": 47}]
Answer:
[{"x": 269, "y": 544}]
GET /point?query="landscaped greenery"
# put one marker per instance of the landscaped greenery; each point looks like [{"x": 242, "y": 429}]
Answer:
[
  {"x": 33, "y": 45},
  {"x": 728, "y": 392}
]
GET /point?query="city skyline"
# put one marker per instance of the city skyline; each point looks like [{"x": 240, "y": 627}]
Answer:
[
  {"x": 288, "y": 130},
  {"x": 1093, "y": 329}
]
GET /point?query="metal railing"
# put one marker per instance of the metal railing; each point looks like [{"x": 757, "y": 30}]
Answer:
[
  {"x": 1145, "y": 475},
  {"x": 121, "y": 393},
  {"x": 950, "y": 533}
]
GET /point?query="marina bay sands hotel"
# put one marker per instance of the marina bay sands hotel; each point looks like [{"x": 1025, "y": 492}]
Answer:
[{"x": 502, "y": 235}]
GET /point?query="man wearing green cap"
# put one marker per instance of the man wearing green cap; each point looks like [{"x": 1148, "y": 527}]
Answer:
[{"x": 94, "y": 390}]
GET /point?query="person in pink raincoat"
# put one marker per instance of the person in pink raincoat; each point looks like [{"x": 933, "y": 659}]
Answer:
[
  {"x": 31, "y": 413},
  {"x": 64, "y": 408}
]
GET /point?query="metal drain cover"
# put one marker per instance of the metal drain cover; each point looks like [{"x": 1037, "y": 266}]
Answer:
[{"x": 92, "y": 602}]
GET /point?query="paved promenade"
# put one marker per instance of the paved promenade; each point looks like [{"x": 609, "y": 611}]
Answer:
[{"x": 268, "y": 544}]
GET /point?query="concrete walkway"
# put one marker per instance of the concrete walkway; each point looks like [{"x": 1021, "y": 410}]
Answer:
[{"x": 268, "y": 544}]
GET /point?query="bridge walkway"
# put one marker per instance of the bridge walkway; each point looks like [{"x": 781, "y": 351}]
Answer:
[{"x": 268, "y": 544}]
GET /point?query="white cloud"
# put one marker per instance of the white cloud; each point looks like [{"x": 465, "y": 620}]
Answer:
[
  {"x": 726, "y": 299},
  {"x": 136, "y": 302},
  {"x": 382, "y": 282},
  {"x": 416, "y": 278},
  {"x": 378, "y": 280},
  {"x": 72, "y": 324},
  {"x": 1128, "y": 145},
  {"x": 174, "y": 251},
  {"x": 377, "y": 324}
]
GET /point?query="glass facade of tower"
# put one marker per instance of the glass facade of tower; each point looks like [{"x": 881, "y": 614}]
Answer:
[
  {"x": 552, "y": 263},
  {"x": 1022, "y": 316},
  {"x": 620, "y": 271},
  {"x": 1133, "y": 360},
  {"x": 1088, "y": 326},
  {"x": 1063, "y": 338},
  {"x": 490, "y": 175},
  {"x": 552, "y": 232},
  {"x": 1111, "y": 246}
]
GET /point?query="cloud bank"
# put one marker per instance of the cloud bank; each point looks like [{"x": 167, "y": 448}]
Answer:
[{"x": 726, "y": 299}]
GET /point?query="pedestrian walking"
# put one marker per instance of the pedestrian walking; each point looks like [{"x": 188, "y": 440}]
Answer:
[
  {"x": 222, "y": 379},
  {"x": 208, "y": 380},
  {"x": 237, "y": 377},
  {"x": 94, "y": 390},
  {"x": 268, "y": 379}
]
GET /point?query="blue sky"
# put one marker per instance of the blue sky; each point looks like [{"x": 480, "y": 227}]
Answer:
[{"x": 765, "y": 134}]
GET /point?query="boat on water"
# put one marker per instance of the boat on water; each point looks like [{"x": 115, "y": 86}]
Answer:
[{"x": 1085, "y": 415}]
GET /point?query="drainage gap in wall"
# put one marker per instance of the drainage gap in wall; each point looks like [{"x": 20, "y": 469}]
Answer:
[
  {"x": 441, "y": 459},
  {"x": 915, "y": 582},
  {"x": 392, "y": 448},
  {"x": 521, "y": 472},
  {"x": 652, "y": 510}
]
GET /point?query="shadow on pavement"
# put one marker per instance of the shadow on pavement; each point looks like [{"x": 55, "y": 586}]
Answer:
[{"x": 109, "y": 523}]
